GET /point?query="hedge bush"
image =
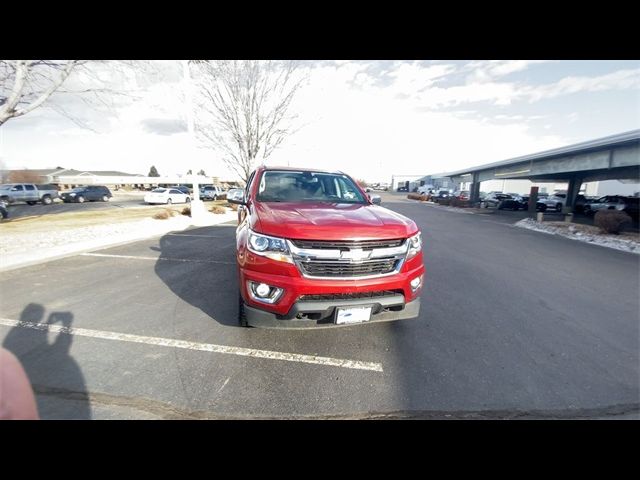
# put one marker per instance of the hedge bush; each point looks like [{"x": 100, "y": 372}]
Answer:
[
  {"x": 218, "y": 209},
  {"x": 165, "y": 214},
  {"x": 611, "y": 221},
  {"x": 456, "y": 202},
  {"x": 417, "y": 196}
]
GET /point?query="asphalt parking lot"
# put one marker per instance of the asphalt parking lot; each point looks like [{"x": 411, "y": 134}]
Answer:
[
  {"x": 514, "y": 324},
  {"x": 20, "y": 210}
]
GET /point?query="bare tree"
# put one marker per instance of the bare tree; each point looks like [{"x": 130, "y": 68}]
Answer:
[
  {"x": 26, "y": 85},
  {"x": 244, "y": 108}
]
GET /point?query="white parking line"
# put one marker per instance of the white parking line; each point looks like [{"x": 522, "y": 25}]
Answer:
[
  {"x": 191, "y": 235},
  {"x": 141, "y": 257},
  {"x": 204, "y": 347}
]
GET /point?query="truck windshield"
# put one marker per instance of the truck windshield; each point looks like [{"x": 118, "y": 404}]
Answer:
[{"x": 291, "y": 186}]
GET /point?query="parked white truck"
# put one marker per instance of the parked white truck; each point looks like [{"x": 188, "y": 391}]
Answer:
[{"x": 29, "y": 193}]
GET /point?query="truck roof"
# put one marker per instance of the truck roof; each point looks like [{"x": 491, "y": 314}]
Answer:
[{"x": 302, "y": 169}]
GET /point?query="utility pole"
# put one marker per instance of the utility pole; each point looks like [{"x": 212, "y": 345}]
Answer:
[{"x": 197, "y": 206}]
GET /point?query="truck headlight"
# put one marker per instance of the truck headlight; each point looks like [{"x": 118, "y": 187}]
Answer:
[
  {"x": 415, "y": 245},
  {"x": 72, "y": 194},
  {"x": 271, "y": 247}
]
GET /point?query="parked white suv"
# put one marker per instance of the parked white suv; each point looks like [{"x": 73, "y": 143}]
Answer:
[
  {"x": 425, "y": 189},
  {"x": 212, "y": 193},
  {"x": 553, "y": 202}
]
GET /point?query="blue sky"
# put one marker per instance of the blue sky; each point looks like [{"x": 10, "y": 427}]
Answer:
[{"x": 370, "y": 119}]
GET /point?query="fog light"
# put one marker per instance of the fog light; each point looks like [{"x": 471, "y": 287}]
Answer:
[
  {"x": 415, "y": 283},
  {"x": 263, "y": 290}
]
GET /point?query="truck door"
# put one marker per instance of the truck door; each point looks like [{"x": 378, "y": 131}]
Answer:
[
  {"x": 17, "y": 193},
  {"x": 30, "y": 193}
]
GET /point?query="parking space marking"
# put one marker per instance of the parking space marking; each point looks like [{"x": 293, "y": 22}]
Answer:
[
  {"x": 191, "y": 235},
  {"x": 142, "y": 257},
  {"x": 203, "y": 347}
]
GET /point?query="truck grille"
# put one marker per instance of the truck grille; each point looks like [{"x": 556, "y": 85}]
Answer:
[
  {"x": 347, "y": 244},
  {"x": 350, "y": 296},
  {"x": 326, "y": 268}
]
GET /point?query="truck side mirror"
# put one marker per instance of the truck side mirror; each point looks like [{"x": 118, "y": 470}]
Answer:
[
  {"x": 236, "y": 198},
  {"x": 375, "y": 199}
]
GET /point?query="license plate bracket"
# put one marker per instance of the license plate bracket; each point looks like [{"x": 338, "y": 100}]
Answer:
[{"x": 349, "y": 315}]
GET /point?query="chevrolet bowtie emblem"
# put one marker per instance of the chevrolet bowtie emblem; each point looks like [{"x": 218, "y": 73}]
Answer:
[{"x": 355, "y": 254}]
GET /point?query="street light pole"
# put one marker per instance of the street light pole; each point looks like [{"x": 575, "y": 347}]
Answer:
[{"x": 197, "y": 206}]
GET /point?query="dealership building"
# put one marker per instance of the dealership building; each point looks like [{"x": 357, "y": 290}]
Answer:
[{"x": 604, "y": 166}]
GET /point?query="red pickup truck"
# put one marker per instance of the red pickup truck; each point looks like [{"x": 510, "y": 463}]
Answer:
[{"x": 313, "y": 250}]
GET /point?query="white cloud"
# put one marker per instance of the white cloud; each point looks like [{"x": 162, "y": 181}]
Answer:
[{"x": 621, "y": 79}]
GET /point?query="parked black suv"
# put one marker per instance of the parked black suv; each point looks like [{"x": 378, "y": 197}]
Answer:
[
  {"x": 4, "y": 213},
  {"x": 89, "y": 193},
  {"x": 524, "y": 201}
]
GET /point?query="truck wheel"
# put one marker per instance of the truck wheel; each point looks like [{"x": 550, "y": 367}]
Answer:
[
  {"x": 215, "y": 198},
  {"x": 80, "y": 199},
  {"x": 105, "y": 198},
  {"x": 242, "y": 313},
  {"x": 47, "y": 200},
  {"x": 168, "y": 201}
]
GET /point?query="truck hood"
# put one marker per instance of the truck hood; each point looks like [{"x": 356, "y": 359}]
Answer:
[{"x": 330, "y": 221}]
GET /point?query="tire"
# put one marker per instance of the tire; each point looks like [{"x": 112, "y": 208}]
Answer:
[
  {"x": 215, "y": 198},
  {"x": 80, "y": 199},
  {"x": 169, "y": 202},
  {"x": 187, "y": 200},
  {"x": 31, "y": 203},
  {"x": 47, "y": 200},
  {"x": 105, "y": 198},
  {"x": 242, "y": 312},
  {"x": 558, "y": 207}
]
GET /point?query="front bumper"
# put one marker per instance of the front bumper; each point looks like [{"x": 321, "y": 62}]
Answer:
[{"x": 322, "y": 313}]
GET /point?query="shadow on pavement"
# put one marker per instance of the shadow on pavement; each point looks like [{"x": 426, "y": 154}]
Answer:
[
  {"x": 208, "y": 282},
  {"x": 51, "y": 369}
]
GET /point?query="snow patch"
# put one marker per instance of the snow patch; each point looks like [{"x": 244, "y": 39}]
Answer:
[
  {"x": 18, "y": 249},
  {"x": 575, "y": 233}
]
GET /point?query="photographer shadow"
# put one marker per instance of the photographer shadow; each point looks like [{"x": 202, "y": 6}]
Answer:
[{"x": 55, "y": 376}]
